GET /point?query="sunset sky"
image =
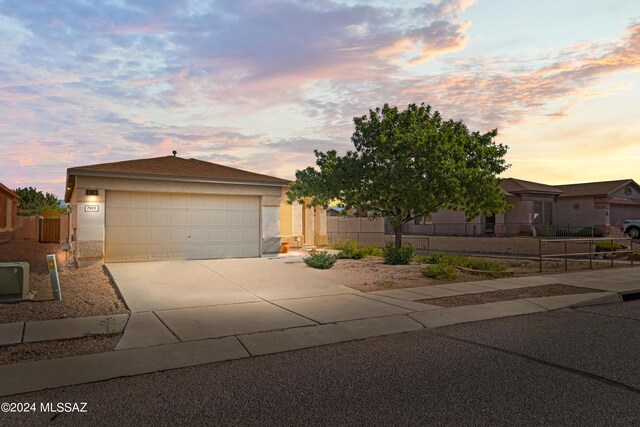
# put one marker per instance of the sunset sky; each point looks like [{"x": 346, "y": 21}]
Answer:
[{"x": 260, "y": 84}]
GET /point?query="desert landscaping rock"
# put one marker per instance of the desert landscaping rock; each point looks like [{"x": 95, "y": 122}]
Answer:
[
  {"x": 508, "y": 294},
  {"x": 31, "y": 352},
  {"x": 556, "y": 302},
  {"x": 85, "y": 291}
]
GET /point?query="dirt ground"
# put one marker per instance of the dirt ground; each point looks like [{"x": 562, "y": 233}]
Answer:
[
  {"x": 371, "y": 274},
  {"x": 508, "y": 295},
  {"x": 85, "y": 291},
  {"x": 55, "y": 349}
]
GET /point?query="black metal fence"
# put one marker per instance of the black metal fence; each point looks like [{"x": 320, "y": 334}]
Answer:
[{"x": 504, "y": 229}]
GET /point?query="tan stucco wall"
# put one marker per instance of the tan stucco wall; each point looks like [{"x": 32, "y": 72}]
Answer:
[
  {"x": 586, "y": 215},
  {"x": 286, "y": 218}
]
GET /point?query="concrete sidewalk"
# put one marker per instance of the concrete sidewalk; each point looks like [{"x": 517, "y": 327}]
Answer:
[{"x": 166, "y": 339}]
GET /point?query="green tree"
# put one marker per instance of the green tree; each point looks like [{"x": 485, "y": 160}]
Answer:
[
  {"x": 35, "y": 202},
  {"x": 408, "y": 164}
]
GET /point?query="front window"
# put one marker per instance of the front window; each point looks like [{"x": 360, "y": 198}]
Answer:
[
  {"x": 423, "y": 220},
  {"x": 542, "y": 213}
]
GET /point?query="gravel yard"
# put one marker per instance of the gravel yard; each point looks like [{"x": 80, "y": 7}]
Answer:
[
  {"x": 371, "y": 274},
  {"x": 85, "y": 291},
  {"x": 508, "y": 295},
  {"x": 55, "y": 349}
]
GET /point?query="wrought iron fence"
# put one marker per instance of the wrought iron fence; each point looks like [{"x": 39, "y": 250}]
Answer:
[{"x": 503, "y": 229}]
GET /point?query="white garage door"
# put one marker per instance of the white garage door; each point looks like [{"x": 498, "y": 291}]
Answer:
[{"x": 159, "y": 226}]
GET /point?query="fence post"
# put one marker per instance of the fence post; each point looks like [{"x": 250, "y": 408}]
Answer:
[
  {"x": 590, "y": 256},
  {"x": 612, "y": 253},
  {"x": 565, "y": 256},
  {"x": 540, "y": 252}
]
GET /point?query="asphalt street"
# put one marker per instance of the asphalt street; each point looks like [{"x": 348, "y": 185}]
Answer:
[{"x": 568, "y": 367}]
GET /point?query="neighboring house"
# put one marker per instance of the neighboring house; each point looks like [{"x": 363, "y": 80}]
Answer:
[
  {"x": 172, "y": 208},
  {"x": 606, "y": 204},
  {"x": 540, "y": 209},
  {"x": 334, "y": 210},
  {"x": 8, "y": 213}
]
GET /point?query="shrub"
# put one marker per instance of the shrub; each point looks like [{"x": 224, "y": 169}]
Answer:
[
  {"x": 606, "y": 246},
  {"x": 345, "y": 245},
  {"x": 394, "y": 255},
  {"x": 455, "y": 260},
  {"x": 321, "y": 260},
  {"x": 349, "y": 250},
  {"x": 371, "y": 251},
  {"x": 439, "y": 272},
  {"x": 422, "y": 259}
]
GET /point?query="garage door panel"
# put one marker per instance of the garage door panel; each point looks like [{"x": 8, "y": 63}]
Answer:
[
  {"x": 250, "y": 218},
  {"x": 159, "y": 235},
  {"x": 156, "y": 226},
  {"x": 179, "y": 217},
  {"x": 198, "y": 218},
  {"x": 179, "y": 234},
  {"x": 249, "y": 234},
  {"x": 216, "y": 234},
  {"x": 216, "y": 218},
  {"x": 160, "y": 217}
]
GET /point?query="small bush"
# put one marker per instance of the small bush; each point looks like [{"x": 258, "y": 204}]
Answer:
[
  {"x": 606, "y": 246},
  {"x": 371, "y": 251},
  {"x": 439, "y": 272},
  {"x": 422, "y": 259},
  {"x": 455, "y": 260},
  {"x": 349, "y": 250},
  {"x": 345, "y": 245},
  {"x": 394, "y": 255},
  {"x": 321, "y": 260}
]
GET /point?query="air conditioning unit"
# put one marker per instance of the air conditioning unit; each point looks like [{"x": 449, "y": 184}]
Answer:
[{"x": 14, "y": 281}]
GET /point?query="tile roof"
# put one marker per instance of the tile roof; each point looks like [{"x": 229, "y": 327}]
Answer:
[
  {"x": 513, "y": 185},
  {"x": 177, "y": 167},
  {"x": 593, "y": 188}
]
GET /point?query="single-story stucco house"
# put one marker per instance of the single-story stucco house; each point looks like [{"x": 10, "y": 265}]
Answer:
[
  {"x": 541, "y": 209},
  {"x": 175, "y": 208},
  {"x": 8, "y": 212}
]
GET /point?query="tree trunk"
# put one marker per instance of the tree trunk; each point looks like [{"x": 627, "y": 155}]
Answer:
[{"x": 398, "y": 233}]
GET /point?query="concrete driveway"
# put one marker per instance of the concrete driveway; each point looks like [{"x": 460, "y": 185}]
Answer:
[{"x": 189, "y": 300}]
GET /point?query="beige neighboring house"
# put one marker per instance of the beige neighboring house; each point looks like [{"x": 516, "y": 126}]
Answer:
[
  {"x": 172, "y": 208},
  {"x": 8, "y": 212},
  {"x": 609, "y": 203},
  {"x": 541, "y": 209}
]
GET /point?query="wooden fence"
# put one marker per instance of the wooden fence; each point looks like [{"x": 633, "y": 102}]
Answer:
[{"x": 49, "y": 230}]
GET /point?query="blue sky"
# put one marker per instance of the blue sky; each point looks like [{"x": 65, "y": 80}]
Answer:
[{"x": 261, "y": 84}]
